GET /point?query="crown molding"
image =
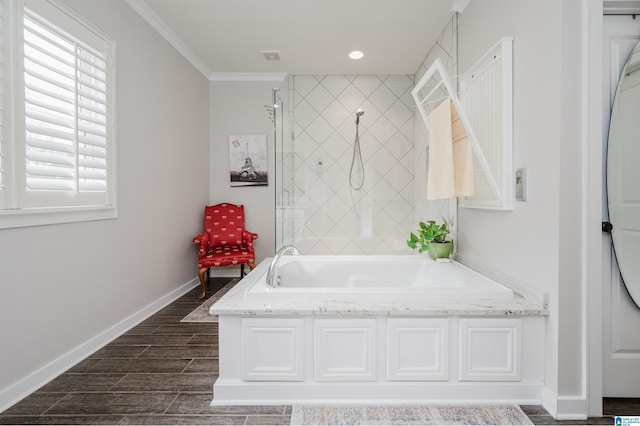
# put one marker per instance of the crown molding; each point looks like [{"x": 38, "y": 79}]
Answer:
[
  {"x": 247, "y": 76},
  {"x": 157, "y": 23},
  {"x": 152, "y": 18}
]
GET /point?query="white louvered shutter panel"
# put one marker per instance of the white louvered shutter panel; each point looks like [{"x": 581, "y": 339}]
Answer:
[
  {"x": 65, "y": 103},
  {"x": 92, "y": 122}
]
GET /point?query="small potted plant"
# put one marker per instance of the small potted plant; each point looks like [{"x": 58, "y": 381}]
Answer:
[{"x": 432, "y": 238}]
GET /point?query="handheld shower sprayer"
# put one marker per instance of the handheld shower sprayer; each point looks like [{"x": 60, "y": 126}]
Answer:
[{"x": 356, "y": 182}]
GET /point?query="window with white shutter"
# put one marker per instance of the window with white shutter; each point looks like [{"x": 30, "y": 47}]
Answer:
[{"x": 63, "y": 155}]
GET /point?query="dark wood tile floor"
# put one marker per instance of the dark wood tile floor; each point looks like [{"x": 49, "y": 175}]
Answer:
[{"x": 162, "y": 372}]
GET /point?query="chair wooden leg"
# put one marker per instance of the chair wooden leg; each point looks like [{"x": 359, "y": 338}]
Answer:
[
  {"x": 251, "y": 266},
  {"x": 203, "y": 284}
]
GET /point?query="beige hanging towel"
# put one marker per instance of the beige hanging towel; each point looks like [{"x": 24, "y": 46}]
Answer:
[
  {"x": 462, "y": 156},
  {"x": 450, "y": 155}
]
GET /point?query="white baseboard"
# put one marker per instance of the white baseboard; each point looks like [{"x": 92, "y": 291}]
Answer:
[
  {"x": 572, "y": 408},
  {"x": 238, "y": 392},
  {"x": 564, "y": 407},
  {"x": 19, "y": 390}
]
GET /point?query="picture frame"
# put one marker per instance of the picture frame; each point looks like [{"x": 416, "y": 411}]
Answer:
[{"x": 248, "y": 160}]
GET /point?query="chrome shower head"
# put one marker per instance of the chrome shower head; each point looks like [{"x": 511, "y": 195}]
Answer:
[{"x": 359, "y": 113}]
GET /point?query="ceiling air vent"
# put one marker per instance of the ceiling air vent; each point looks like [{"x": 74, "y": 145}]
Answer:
[{"x": 271, "y": 55}]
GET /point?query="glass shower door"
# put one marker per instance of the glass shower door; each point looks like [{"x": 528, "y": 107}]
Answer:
[{"x": 284, "y": 171}]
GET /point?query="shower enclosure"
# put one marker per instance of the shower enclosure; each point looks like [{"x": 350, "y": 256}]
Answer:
[
  {"x": 317, "y": 210},
  {"x": 284, "y": 170}
]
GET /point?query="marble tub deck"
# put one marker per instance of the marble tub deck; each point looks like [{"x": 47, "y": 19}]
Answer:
[{"x": 239, "y": 301}]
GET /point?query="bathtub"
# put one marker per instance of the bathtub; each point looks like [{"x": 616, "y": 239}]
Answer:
[
  {"x": 378, "y": 329},
  {"x": 340, "y": 275}
]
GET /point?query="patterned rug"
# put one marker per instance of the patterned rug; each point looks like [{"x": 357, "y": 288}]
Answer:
[
  {"x": 201, "y": 313},
  {"x": 409, "y": 415}
]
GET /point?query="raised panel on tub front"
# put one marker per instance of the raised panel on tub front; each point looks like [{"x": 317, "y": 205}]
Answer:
[
  {"x": 345, "y": 350},
  {"x": 417, "y": 349},
  {"x": 272, "y": 349},
  {"x": 489, "y": 349}
]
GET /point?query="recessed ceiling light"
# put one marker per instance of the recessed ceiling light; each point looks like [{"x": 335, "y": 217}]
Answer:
[{"x": 356, "y": 54}]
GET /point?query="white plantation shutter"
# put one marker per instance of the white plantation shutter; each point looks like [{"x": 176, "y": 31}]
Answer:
[
  {"x": 92, "y": 122},
  {"x": 50, "y": 109},
  {"x": 65, "y": 116},
  {"x": 57, "y": 147}
]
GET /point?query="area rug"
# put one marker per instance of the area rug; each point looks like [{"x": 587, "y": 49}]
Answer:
[
  {"x": 409, "y": 415},
  {"x": 201, "y": 313}
]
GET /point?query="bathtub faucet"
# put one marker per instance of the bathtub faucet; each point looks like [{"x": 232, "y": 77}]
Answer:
[{"x": 275, "y": 263}]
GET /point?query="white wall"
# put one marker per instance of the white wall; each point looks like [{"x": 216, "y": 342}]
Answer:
[
  {"x": 488, "y": 236},
  {"x": 539, "y": 242},
  {"x": 572, "y": 244},
  {"x": 239, "y": 108},
  {"x": 62, "y": 285}
]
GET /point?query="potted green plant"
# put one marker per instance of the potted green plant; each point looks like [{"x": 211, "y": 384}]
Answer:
[{"x": 432, "y": 238}]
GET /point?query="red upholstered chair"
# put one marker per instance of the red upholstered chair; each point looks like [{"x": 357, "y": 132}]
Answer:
[{"x": 224, "y": 241}]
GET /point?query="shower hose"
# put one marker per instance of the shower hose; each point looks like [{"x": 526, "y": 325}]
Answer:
[{"x": 354, "y": 183}]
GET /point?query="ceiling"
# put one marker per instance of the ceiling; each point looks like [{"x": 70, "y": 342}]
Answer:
[{"x": 224, "y": 37}]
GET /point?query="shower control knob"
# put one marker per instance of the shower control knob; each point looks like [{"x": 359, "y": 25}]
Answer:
[{"x": 607, "y": 227}]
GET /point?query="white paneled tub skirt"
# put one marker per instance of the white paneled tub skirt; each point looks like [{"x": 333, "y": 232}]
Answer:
[{"x": 367, "y": 329}]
